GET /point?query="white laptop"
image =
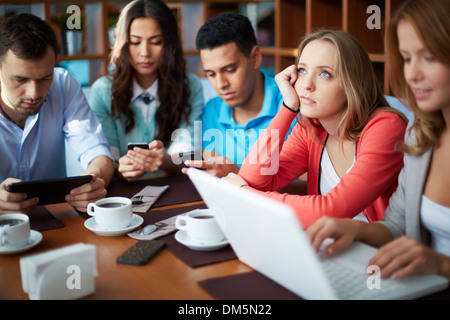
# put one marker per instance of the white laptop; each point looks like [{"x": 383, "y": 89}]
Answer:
[{"x": 266, "y": 235}]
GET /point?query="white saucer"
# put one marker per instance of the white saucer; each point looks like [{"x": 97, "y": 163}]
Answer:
[
  {"x": 183, "y": 238},
  {"x": 35, "y": 238},
  {"x": 90, "y": 223}
]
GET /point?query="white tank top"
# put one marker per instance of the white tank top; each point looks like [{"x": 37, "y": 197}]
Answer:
[
  {"x": 329, "y": 178},
  {"x": 436, "y": 219}
]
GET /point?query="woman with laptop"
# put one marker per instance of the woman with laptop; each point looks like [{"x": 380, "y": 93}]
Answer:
[
  {"x": 345, "y": 139},
  {"x": 415, "y": 232}
]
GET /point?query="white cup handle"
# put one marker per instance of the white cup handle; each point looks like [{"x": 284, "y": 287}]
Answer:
[
  {"x": 2, "y": 232},
  {"x": 90, "y": 209},
  {"x": 181, "y": 223}
]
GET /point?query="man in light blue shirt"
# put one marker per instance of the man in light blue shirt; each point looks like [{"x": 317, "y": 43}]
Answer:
[
  {"x": 42, "y": 109},
  {"x": 247, "y": 98}
]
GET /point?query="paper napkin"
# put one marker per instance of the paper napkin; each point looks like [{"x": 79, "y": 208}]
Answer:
[
  {"x": 35, "y": 268},
  {"x": 149, "y": 196},
  {"x": 169, "y": 226}
]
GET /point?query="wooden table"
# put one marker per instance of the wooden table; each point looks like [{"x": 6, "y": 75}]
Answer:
[{"x": 164, "y": 277}]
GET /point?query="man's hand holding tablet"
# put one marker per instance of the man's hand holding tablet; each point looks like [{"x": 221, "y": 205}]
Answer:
[{"x": 25, "y": 195}]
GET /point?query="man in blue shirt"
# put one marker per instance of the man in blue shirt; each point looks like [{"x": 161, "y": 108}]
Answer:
[
  {"x": 247, "y": 98},
  {"x": 42, "y": 109}
]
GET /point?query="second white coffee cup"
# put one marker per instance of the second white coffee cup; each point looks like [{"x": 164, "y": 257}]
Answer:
[
  {"x": 200, "y": 226},
  {"x": 111, "y": 213},
  {"x": 14, "y": 229}
]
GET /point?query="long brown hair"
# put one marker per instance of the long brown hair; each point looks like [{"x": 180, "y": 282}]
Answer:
[
  {"x": 431, "y": 22},
  {"x": 173, "y": 86},
  {"x": 358, "y": 80}
]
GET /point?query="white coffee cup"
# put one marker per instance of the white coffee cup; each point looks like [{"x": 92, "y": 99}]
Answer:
[
  {"x": 200, "y": 226},
  {"x": 14, "y": 229},
  {"x": 111, "y": 213}
]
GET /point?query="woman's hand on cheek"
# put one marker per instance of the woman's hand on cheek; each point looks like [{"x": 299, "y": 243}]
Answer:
[{"x": 286, "y": 80}]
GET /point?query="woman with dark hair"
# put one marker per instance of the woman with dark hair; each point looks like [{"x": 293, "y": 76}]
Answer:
[{"x": 148, "y": 97}]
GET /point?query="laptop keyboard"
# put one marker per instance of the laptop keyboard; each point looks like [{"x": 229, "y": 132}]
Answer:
[{"x": 350, "y": 284}]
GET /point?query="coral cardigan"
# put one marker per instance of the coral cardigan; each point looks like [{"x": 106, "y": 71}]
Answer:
[{"x": 366, "y": 188}]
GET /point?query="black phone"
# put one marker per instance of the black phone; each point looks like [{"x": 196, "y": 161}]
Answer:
[
  {"x": 140, "y": 252},
  {"x": 142, "y": 145},
  {"x": 191, "y": 155},
  {"x": 49, "y": 191}
]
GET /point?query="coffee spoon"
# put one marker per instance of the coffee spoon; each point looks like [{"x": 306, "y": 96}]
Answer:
[
  {"x": 147, "y": 229},
  {"x": 151, "y": 227}
]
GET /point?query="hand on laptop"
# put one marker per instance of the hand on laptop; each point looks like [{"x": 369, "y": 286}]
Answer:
[
  {"x": 399, "y": 257},
  {"x": 15, "y": 202},
  {"x": 404, "y": 256},
  {"x": 343, "y": 231}
]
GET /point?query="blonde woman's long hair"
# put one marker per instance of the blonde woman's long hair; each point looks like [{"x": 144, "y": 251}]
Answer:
[
  {"x": 431, "y": 22},
  {"x": 356, "y": 77}
]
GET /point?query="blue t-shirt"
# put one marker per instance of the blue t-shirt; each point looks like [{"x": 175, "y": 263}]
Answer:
[{"x": 222, "y": 134}]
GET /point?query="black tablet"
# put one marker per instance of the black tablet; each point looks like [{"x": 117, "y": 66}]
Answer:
[{"x": 51, "y": 190}]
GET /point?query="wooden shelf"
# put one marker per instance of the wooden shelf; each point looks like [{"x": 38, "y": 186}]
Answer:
[
  {"x": 95, "y": 43},
  {"x": 287, "y": 52},
  {"x": 292, "y": 19},
  {"x": 283, "y": 22},
  {"x": 81, "y": 57},
  {"x": 323, "y": 14}
]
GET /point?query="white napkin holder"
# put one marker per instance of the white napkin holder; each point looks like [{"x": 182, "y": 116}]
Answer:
[{"x": 62, "y": 274}]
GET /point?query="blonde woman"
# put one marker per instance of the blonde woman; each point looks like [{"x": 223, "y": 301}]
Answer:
[
  {"x": 149, "y": 94},
  {"x": 345, "y": 139},
  {"x": 415, "y": 232}
]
